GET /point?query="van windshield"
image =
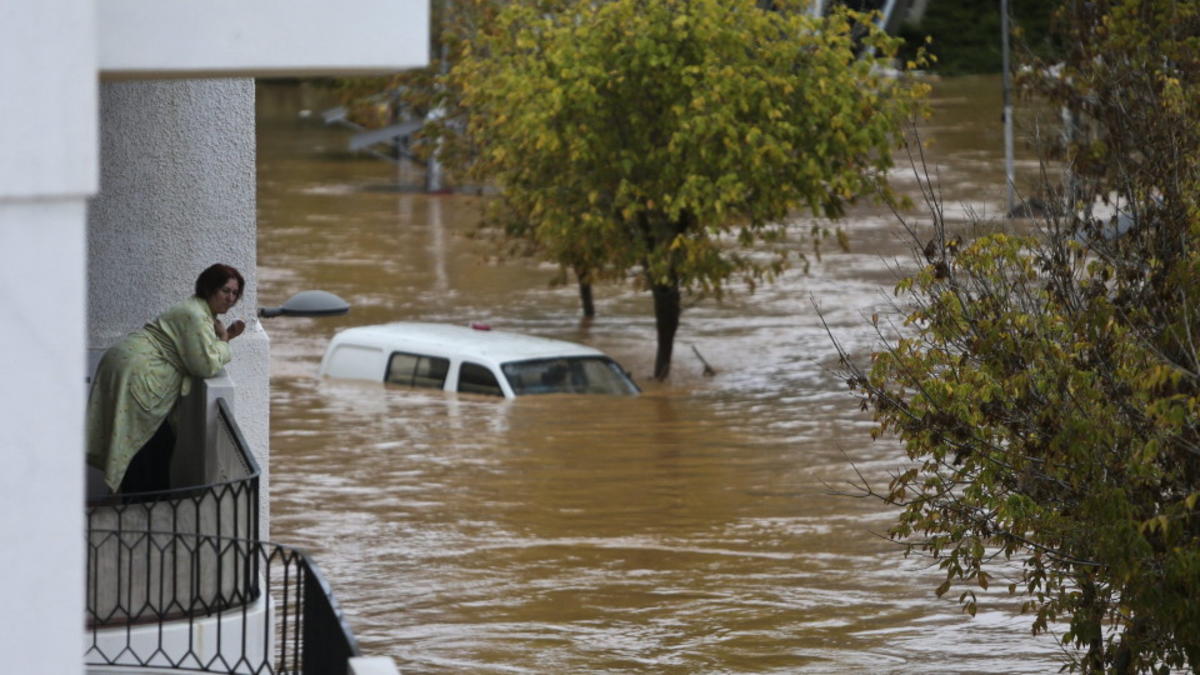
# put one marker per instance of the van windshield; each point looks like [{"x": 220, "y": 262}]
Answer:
[{"x": 568, "y": 375}]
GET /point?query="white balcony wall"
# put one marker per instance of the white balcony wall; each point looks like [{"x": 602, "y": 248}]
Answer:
[{"x": 189, "y": 643}]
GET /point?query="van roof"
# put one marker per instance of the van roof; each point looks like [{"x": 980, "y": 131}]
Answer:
[{"x": 450, "y": 340}]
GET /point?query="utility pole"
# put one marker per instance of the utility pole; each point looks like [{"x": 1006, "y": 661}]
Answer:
[
  {"x": 1009, "y": 171},
  {"x": 433, "y": 168}
]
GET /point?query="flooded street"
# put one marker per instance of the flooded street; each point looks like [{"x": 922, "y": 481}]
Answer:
[{"x": 692, "y": 529}]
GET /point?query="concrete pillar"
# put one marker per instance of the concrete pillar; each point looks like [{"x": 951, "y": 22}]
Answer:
[{"x": 177, "y": 193}]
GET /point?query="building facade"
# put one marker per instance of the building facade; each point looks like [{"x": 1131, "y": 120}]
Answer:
[{"x": 127, "y": 166}]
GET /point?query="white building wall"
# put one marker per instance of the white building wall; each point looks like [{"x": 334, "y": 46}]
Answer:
[
  {"x": 47, "y": 171},
  {"x": 177, "y": 193},
  {"x": 42, "y": 292},
  {"x": 261, "y": 38},
  {"x": 48, "y": 100}
]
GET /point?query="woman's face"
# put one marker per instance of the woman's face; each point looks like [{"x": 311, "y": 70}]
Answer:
[{"x": 224, "y": 298}]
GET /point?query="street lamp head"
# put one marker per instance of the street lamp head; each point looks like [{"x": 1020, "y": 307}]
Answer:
[{"x": 308, "y": 303}]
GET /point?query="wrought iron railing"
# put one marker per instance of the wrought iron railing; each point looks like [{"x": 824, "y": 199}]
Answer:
[
  {"x": 285, "y": 621},
  {"x": 135, "y": 586},
  {"x": 178, "y": 579}
]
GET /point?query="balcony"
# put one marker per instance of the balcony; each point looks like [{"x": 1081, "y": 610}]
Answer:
[{"x": 178, "y": 580}]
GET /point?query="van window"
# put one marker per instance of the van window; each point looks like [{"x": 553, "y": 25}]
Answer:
[
  {"x": 417, "y": 371},
  {"x": 476, "y": 379},
  {"x": 568, "y": 375}
]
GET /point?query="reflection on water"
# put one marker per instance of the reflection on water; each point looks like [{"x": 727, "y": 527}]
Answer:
[{"x": 692, "y": 529}]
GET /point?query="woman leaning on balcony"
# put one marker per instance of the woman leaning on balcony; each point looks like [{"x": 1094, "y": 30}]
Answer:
[{"x": 141, "y": 378}]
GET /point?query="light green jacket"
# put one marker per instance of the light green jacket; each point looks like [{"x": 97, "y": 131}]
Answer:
[{"x": 140, "y": 379}]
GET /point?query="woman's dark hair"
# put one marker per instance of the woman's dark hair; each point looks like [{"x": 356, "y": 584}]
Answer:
[{"x": 215, "y": 277}]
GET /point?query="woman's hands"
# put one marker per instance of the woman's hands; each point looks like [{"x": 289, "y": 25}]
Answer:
[{"x": 226, "y": 334}]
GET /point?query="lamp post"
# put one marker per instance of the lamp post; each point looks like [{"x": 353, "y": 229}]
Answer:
[
  {"x": 308, "y": 303},
  {"x": 1009, "y": 172}
]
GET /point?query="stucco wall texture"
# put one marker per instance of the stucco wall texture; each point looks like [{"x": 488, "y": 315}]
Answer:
[{"x": 177, "y": 193}]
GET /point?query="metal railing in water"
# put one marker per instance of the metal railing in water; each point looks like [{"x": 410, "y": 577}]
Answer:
[{"x": 179, "y": 579}]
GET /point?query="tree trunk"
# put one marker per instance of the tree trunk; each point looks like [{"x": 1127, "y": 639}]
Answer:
[
  {"x": 1091, "y": 631},
  {"x": 666, "y": 319},
  {"x": 585, "y": 299},
  {"x": 585, "y": 293}
]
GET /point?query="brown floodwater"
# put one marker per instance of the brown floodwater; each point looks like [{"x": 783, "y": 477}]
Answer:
[{"x": 695, "y": 528}]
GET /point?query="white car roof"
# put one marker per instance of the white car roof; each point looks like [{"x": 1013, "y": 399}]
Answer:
[{"x": 463, "y": 342}]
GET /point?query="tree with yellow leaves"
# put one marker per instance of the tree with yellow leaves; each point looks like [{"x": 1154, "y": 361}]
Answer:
[{"x": 663, "y": 137}]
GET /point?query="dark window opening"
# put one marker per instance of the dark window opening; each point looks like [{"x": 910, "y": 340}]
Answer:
[
  {"x": 476, "y": 379},
  {"x": 417, "y": 371},
  {"x": 568, "y": 375}
]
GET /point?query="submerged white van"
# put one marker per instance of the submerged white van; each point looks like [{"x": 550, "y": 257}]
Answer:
[{"x": 472, "y": 359}]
